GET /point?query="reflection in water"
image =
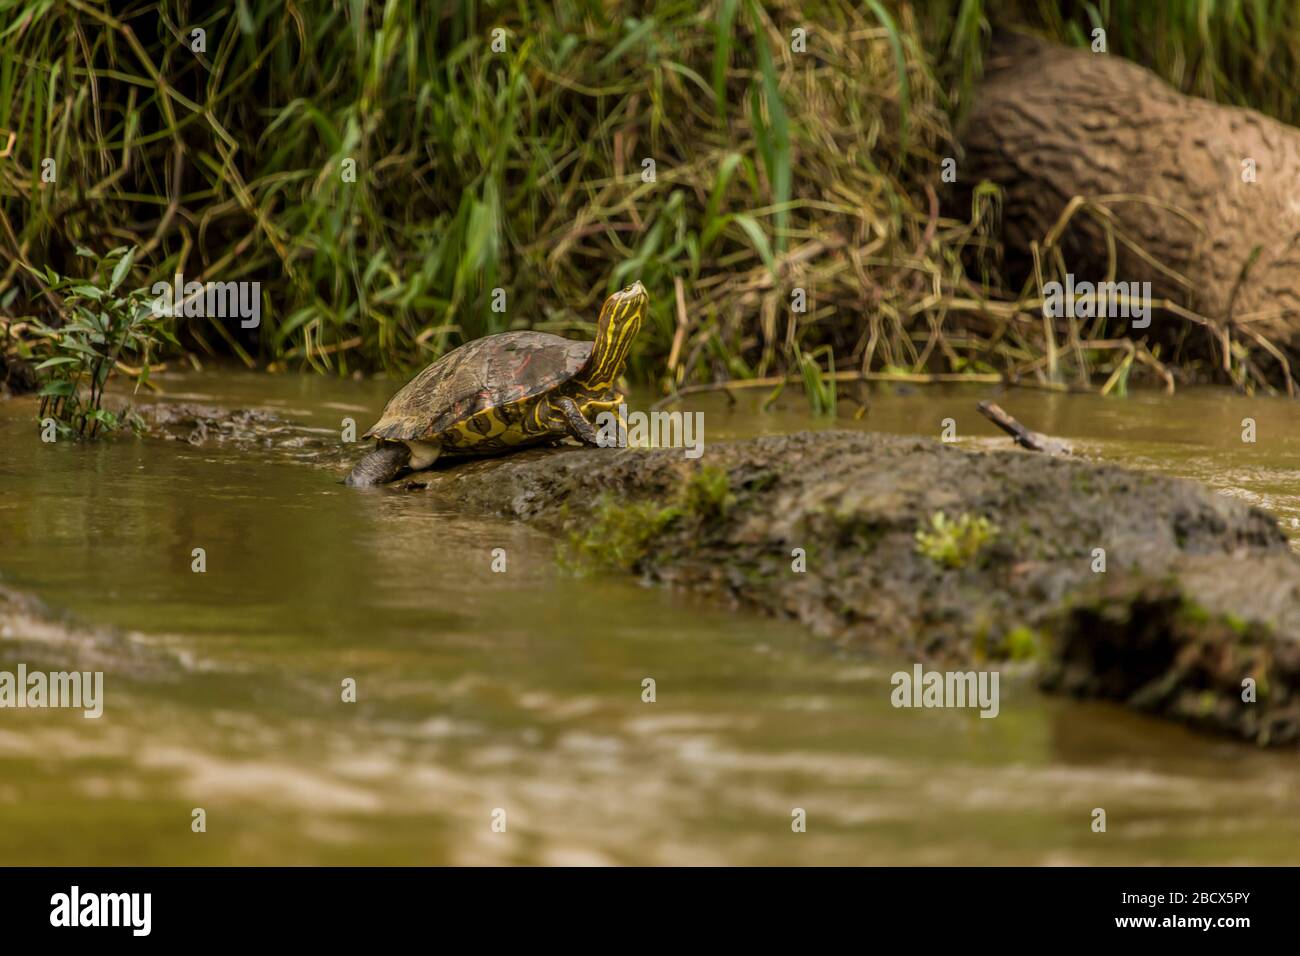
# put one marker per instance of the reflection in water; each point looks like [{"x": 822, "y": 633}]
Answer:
[{"x": 522, "y": 690}]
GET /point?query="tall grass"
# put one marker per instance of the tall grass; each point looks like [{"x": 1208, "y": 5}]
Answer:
[
  {"x": 523, "y": 169},
  {"x": 475, "y": 169},
  {"x": 1243, "y": 52}
]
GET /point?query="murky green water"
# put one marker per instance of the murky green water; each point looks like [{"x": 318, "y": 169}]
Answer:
[{"x": 522, "y": 690}]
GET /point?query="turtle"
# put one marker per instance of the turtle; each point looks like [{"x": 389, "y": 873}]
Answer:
[{"x": 504, "y": 392}]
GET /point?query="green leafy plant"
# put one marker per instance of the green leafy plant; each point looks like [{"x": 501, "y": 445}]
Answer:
[
  {"x": 954, "y": 543},
  {"x": 103, "y": 331}
]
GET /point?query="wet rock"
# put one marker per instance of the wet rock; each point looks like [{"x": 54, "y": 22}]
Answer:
[
  {"x": 199, "y": 424},
  {"x": 953, "y": 557},
  {"x": 34, "y": 634},
  {"x": 243, "y": 428}
]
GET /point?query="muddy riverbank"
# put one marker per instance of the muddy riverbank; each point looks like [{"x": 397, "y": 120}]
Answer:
[{"x": 1199, "y": 596}]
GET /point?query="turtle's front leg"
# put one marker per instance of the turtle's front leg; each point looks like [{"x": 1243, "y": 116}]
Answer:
[
  {"x": 614, "y": 406},
  {"x": 578, "y": 426}
]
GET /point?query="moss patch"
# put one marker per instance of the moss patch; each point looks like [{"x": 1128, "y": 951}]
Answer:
[
  {"x": 954, "y": 543},
  {"x": 708, "y": 493},
  {"x": 620, "y": 533}
]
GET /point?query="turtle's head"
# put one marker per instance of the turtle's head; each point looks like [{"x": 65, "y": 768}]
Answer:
[{"x": 620, "y": 320}]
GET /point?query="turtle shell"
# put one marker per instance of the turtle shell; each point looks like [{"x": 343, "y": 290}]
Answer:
[{"x": 489, "y": 373}]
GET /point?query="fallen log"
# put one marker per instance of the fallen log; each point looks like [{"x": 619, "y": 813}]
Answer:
[{"x": 1206, "y": 192}]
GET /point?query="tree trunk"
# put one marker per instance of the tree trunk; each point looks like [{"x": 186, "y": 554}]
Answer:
[{"x": 1053, "y": 123}]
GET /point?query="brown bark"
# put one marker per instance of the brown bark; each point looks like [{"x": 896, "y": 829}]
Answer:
[{"x": 1053, "y": 123}]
